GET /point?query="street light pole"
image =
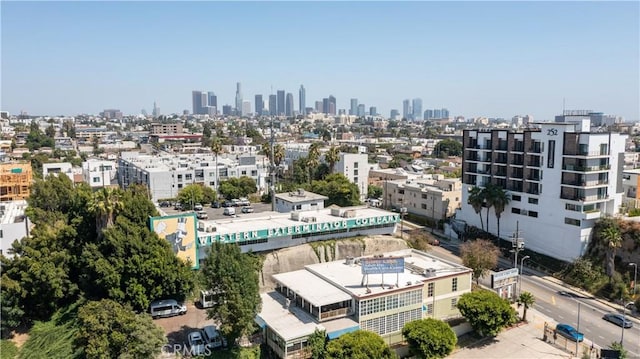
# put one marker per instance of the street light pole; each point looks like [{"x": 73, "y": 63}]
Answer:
[
  {"x": 635, "y": 277},
  {"x": 578, "y": 329},
  {"x": 520, "y": 276}
]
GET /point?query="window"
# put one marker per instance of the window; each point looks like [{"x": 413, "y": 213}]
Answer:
[
  {"x": 424, "y": 196},
  {"x": 515, "y": 210},
  {"x": 179, "y": 177},
  {"x": 401, "y": 191},
  {"x": 454, "y": 284},
  {"x": 355, "y": 172},
  {"x": 533, "y": 214},
  {"x": 298, "y": 207},
  {"x": 429, "y": 308},
  {"x": 516, "y": 198},
  {"x": 179, "y": 185},
  {"x": 551, "y": 153},
  {"x": 187, "y": 177},
  {"x": 430, "y": 288},
  {"x": 454, "y": 302},
  {"x": 533, "y": 200},
  {"x": 355, "y": 165},
  {"x": 355, "y": 179},
  {"x": 212, "y": 184},
  {"x": 96, "y": 179},
  {"x": 572, "y": 221},
  {"x": 244, "y": 172},
  {"x": 423, "y": 206}
]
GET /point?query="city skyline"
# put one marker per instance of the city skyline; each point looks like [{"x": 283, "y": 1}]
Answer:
[{"x": 493, "y": 59}]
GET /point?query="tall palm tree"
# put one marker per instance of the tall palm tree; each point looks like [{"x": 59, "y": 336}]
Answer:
[
  {"x": 266, "y": 149},
  {"x": 476, "y": 200},
  {"x": 216, "y": 148},
  {"x": 332, "y": 156},
  {"x": 313, "y": 159},
  {"x": 500, "y": 199},
  {"x": 278, "y": 154},
  {"x": 105, "y": 204},
  {"x": 610, "y": 234},
  {"x": 526, "y": 299},
  {"x": 489, "y": 195}
]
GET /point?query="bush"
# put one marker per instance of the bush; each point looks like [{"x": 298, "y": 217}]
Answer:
[
  {"x": 8, "y": 349},
  {"x": 430, "y": 338},
  {"x": 486, "y": 312},
  {"x": 584, "y": 274}
]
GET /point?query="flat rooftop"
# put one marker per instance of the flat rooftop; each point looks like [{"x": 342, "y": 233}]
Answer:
[
  {"x": 295, "y": 197},
  {"x": 419, "y": 267},
  {"x": 12, "y": 211},
  {"x": 272, "y": 220},
  {"x": 315, "y": 290},
  {"x": 290, "y": 323}
]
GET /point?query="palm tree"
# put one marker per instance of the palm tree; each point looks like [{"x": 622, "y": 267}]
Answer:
[
  {"x": 490, "y": 195},
  {"x": 105, "y": 204},
  {"x": 313, "y": 159},
  {"x": 610, "y": 234},
  {"x": 266, "y": 149},
  {"x": 278, "y": 154},
  {"x": 216, "y": 148},
  {"x": 332, "y": 156},
  {"x": 526, "y": 299},
  {"x": 500, "y": 199},
  {"x": 476, "y": 200}
]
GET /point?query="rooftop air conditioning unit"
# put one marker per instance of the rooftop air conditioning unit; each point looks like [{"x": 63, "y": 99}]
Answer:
[{"x": 430, "y": 272}]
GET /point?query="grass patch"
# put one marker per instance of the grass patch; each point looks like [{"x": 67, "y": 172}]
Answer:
[
  {"x": 53, "y": 339},
  {"x": 8, "y": 349}
]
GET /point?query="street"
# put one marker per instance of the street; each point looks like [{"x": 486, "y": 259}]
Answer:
[{"x": 564, "y": 309}]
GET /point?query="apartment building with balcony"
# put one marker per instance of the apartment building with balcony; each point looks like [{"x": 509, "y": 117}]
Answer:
[{"x": 560, "y": 176}]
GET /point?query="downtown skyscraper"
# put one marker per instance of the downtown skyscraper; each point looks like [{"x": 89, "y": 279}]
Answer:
[
  {"x": 238, "y": 100},
  {"x": 417, "y": 109},
  {"x": 259, "y": 105},
  {"x": 289, "y": 105},
  {"x": 302, "y": 100},
  {"x": 281, "y": 100},
  {"x": 273, "y": 106}
]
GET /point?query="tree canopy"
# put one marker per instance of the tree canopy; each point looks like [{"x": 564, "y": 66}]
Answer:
[
  {"x": 486, "y": 312},
  {"x": 233, "y": 277},
  {"x": 360, "y": 344},
  {"x": 339, "y": 189},
  {"x": 107, "y": 329},
  {"x": 447, "y": 148},
  {"x": 480, "y": 255},
  {"x": 238, "y": 187},
  {"x": 430, "y": 338}
]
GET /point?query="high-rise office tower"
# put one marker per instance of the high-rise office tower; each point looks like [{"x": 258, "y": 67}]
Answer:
[
  {"x": 196, "y": 97},
  {"x": 417, "y": 109},
  {"x": 289, "y": 105},
  {"x": 354, "y": 107},
  {"x": 319, "y": 106},
  {"x": 156, "y": 110},
  {"x": 325, "y": 105},
  {"x": 238, "y": 99},
  {"x": 394, "y": 113},
  {"x": 302, "y": 100},
  {"x": 227, "y": 110},
  {"x": 428, "y": 114},
  {"x": 406, "y": 109},
  {"x": 361, "y": 110},
  {"x": 259, "y": 105},
  {"x": 281, "y": 102},
  {"x": 444, "y": 113},
  {"x": 273, "y": 107},
  {"x": 212, "y": 99},
  {"x": 246, "y": 108},
  {"x": 437, "y": 113},
  {"x": 332, "y": 105},
  {"x": 373, "y": 111}
]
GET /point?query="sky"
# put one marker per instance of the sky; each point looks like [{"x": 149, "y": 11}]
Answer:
[{"x": 493, "y": 59}]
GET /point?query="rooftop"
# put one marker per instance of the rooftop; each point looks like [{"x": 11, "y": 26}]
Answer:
[
  {"x": 315, "y": 290},
  {"x": 12, "y": 212},
  {"x": 288, "y": 322},
  {"x": 301, "y": 196}
]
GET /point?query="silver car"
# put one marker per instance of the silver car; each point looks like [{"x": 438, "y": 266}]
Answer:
[{"x": 618, "y": 319}]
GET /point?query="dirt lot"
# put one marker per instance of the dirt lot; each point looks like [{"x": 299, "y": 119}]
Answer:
[{"x": 177, "y": 328}]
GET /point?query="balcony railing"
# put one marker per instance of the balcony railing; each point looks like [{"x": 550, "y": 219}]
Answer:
[
  {"x": 334, "y": 313},
  {"x": 579, "y": 168}
]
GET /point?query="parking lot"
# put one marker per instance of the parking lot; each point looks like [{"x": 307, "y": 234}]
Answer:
[
  {"x": 177, "y": 328},
  {"x": 217, "y": 213}
]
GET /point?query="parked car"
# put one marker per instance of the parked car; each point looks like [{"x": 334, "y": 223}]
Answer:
[
  {"x": 226, "y": 204},
  {"x": 215, "y": 204},
  {"x": 618, "y": 319},
  {"x": 213, "y": 338},
  {"x": 229, "y": 211},
  {"x": 567, "y": 294},
  {"x": 244, "y": 201},
  {"x": 198, "y": 207},
  {"x": 178, "y": 207},
  {"x": 166, "y": 308},
  {"x": 196, "y": 343},
  {"x": 235, "y": 202},
  {"x": 247, "y": 209},
  {"x": 569, "y": 332},
  {"x": 202, "y": 215}
]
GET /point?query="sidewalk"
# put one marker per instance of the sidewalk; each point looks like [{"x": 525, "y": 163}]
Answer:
[{"x": 524, "y": 341}]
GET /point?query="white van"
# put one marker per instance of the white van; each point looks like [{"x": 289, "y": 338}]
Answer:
[
  {"x": 213, "y": 338},
  {"x": 166, "y": 308},
  {"x": 207, "y": 298},
  {"x": 229, "y": 211}
]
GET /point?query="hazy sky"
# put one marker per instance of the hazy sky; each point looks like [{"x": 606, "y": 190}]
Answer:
[{"x": 494, "y": 59}]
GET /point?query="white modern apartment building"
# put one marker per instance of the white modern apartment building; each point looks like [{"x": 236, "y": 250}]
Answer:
[
  {"x": 355, "y": 166},
  {"x": 14, "y": 225},
  {"x": 561, "y": 178},
  {"x": 166, "y": 174},
  {"x": 100, "y": 173},
  {"x": 56, "y": 168}
]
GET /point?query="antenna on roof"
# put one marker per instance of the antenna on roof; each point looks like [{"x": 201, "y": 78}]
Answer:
[{"x": 563, "y": 106}]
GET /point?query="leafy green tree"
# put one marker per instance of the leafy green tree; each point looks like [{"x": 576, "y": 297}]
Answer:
[
  {"x": 486, "y": 312},
  {"x": 317, "y": 344},
  {"x": 233, "y": 276},
  {"x": 209, "y": 195},
  {"x": 480, "y": 255},
  {"x": 55, "y": 193},
  {"x": 448, "y": 147},
  {"x": 110, "y": 330},
  {"x": 360, "y": 344},
  {"x": 430, "y": 338},
  {"x": 374, "y": 191},
  {"x": 624, "y": 354},
  {"x": 339, "y": 189},
  {"x": 476, "y": 200},
  {"x": 526, "y": 299},
  {"x": 190, "y": 195},
  {"x": 238, "y": 187},
  {"x": 10, "y": 310},
  {"x": 50, "y": 131},
  {"x": 37, "y": 139}
]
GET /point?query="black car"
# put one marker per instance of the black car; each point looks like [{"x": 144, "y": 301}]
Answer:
[
  {"x": 215, "y": 204},
  {"x": 226, "y": 204}
]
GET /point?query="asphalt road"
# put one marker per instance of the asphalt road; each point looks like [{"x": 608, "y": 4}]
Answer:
[{"x": 564, "y": 309}]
